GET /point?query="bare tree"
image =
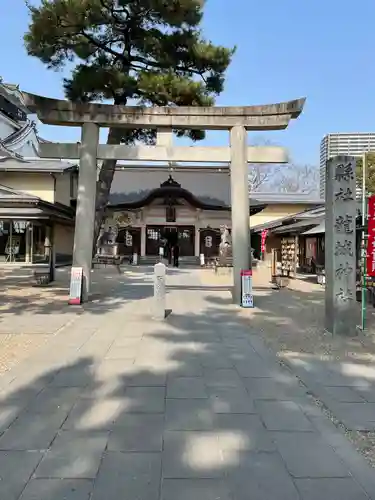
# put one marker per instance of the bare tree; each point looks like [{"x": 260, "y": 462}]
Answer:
[
  {"x": 261, "y": 175},
  {"x": 302, "y": 179}
]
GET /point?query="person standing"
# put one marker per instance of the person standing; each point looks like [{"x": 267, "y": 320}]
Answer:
[
  {"x": 176, "y": 255},
  {"x": 169, "y": 252}
]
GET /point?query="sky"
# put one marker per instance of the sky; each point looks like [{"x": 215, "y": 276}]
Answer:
[{"x": 319, "y": 49}]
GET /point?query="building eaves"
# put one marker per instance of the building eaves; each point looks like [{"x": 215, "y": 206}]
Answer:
[
  {"x": 297, "y": 227},
  {"x": 7, "y": 193},
  {"x": 13, "y": 164},
  {"x": 287, "y": 198}
]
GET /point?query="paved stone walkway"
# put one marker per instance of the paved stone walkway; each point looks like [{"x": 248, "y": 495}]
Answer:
[{"x": 118, "y": 406}]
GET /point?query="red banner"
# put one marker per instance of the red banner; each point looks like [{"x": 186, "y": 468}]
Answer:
[
  {"x": 371, "y": 237},
  {"x": 263, "y": 240}
]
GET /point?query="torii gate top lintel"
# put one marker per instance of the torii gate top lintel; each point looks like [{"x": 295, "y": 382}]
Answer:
[{"x": 263, "y": 117}]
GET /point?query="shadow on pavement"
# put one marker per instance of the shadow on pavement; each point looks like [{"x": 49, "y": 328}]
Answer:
[{"x": 192, "y": 408}]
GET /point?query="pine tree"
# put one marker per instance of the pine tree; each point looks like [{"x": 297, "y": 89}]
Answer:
[{"x": 146, "y": 52}]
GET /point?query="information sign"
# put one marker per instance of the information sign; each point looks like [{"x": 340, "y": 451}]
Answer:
[
  {"x": 75, "y": 294},
  {"x": 247, "y": 299}
]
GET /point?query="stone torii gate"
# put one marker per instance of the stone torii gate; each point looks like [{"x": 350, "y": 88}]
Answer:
[{"x": 90, "y": 117}]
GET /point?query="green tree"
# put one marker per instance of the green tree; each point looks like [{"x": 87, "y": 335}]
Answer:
[
  {"x": 370, "y": 173},
  {"x": 146, "y": 52}
]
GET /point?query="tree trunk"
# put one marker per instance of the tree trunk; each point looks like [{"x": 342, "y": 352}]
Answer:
[{"x": 104, "y": 184}]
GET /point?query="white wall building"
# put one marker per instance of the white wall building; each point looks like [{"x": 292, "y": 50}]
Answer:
[{"x": 354, "y": 144}]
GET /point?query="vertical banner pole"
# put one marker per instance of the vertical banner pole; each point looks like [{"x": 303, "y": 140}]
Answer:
[
  {"x": 369, "y": 254},
  {"x": 363, "y": 245}
]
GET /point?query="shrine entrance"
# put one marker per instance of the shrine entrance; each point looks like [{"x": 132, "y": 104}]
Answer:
[
  {"x": 156, "y": 236},
  {"x": 129, "y": 241},
  {"x": 165, "y": 120}
]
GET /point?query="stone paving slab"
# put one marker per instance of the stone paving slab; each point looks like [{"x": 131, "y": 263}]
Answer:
[
  {"x": 187, "y": 388},
  {"x": 261, "y": 475},
  {"x": 137, "y": 433},
  {"x": 31, "y": 432},
  {"x": 129, "y": 476},
  {"x": 189, "y": 408},
  {"x": 350, "y": 398},
  {"x": 283, "y": 416},
  {"x": 192, "y": 455},
  {"x": 16, "y": 468},
  {"x": 46, "y": 324},
  {"x": 58, "y": 489},
  {"x": 307, "y": 455},
  {"x": 271, "y": 389},
  {"x": 194, "y": 489},
  {"x": 73, "y": 456},
  {"x": 341, "y": 488}
]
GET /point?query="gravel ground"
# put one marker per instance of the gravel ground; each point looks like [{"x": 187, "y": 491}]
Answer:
[
  {"x": 29, "y": 315},
  {"x": 17, "y": 297},
  {"x": 291, "y": 323},
  {"x": 15, "y": 348}
]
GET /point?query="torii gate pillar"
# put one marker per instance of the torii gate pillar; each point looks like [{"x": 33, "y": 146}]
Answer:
[
  {"x": 85, "y": 212},
  {"x": 240, "y": 207}
]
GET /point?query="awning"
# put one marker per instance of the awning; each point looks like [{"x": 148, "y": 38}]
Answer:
[
  {"x": 267, "y": 225},
  {"x": 297, "y": 227},
  {"x": 320, "y": 229}
]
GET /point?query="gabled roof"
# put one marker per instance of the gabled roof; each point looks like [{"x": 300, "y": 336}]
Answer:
[
  {"x": 20, "y": 164},
  {"x": 171, "y": 191}
]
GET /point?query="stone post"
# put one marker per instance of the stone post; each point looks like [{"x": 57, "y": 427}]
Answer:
[
  {"x": 143, "y": 240},
  {"x": 340, "y": 246},
  {"x": 50, "y": 251},
  {"x": 240, "y": 207},
  {"x": 85, "y": 213},
  {"x": 197, "y": 240},
  {"x": 159, "y": 291},
  {"x": 28, "y": 243}
]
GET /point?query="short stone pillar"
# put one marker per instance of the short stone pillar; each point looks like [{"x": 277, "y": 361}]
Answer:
[
  {"x": 201, "y": 259},
  {"x": 135, "y": 259},
  {"x": 340, "y": 246},
  {"x": 159, "y": 307}
]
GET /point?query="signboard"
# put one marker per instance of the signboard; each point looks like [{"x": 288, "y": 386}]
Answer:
[
  {"x": 75, "y": 294},
  {"x": 263, "y": 238},
  {"x": 247, "y": 299},
  {"x": 371, "y": 237}
]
